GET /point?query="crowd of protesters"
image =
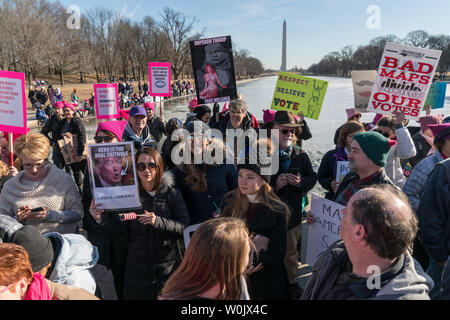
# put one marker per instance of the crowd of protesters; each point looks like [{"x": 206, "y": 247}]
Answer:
[{"x": 250, "y": 221}]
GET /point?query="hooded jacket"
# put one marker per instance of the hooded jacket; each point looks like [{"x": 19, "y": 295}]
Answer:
[{"x": 409, "y": 283}]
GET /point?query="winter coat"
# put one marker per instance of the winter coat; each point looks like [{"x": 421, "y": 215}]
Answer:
[
  {"x": 271, "y": 282},
  {"x": 221, "y": 179},
  {"x": 53, "y": 126},
  {"x": 41, "y": 97},
  {"x": 422, "y": 148},
  {"x": 74, "y": 256},
  {"x": 434, "y": 211},
  {"x": 248, "y": 122},
  {"x": 112, "y": 248},
  {"x": 57, "y": 191},
  {"x": 156, "y": 127},
  {"x": 404, "y": 149},
  {"x": 145, "y": 140},
  {"x": 410, "y": 283},
  {"x": 292, "y": 195},
  {"x": 153, "y": 250},
  {"x": 328, "y": 169},
  {"x": 414, "y": 186}
]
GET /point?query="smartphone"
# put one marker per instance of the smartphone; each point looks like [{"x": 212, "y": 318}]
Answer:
[
  {"x": 37, "y": 209},
  {"x": 294, "y": 170}
]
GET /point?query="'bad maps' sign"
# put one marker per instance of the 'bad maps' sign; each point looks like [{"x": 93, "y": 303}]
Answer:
[
  {"x": 324, "y": 231},
  {"x": 403, "y": 80},
  {"x": 436, "y": 95},
  {"x": 299, "y": 94},
  {"x": 363, "y": 82}
]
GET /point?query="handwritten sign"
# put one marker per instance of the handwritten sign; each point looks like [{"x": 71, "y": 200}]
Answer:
[
  {"x": 13, "y": 104},
  {"x": 299, "y": 94},
  {"x": 341, "y": 170},
  {"x": 363, "y": 82},
  {"x": 403, "y": 80},
  {"x": 436, "y": 95},
  {"x": 106, "y": 101},
  {"x": 159, "y": 75},
  {"x": 113, "y": 175},
  {"x": 324, "y": 231}
]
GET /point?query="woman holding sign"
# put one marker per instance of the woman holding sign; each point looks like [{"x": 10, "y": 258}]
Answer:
[
  {"x": 152, "y": 236},
  {"x": 328, "y": 169},
  {"x": 266, "y": 216}
]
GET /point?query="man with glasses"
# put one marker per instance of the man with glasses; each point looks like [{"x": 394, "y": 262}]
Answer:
[{"x": 295, "y": 177}]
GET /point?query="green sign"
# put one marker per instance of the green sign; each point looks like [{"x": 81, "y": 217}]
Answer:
[{"x": 299, "y": 94}]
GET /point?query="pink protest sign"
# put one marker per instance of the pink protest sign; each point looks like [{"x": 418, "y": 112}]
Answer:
[
  {"x": 106, "y": 101},
  {"x": 13, "y": 104},
  {"x": 159, "y": 76}
]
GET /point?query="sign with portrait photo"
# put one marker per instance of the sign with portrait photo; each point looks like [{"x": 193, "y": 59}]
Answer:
[
  {"x": 212, "y": 62},
  {"x": 113, "y": 175}
]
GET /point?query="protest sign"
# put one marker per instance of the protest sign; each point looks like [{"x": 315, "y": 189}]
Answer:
[
  {"x": 106, "y": 101},
  {"x": 299, "y": 94},
  {"x": 13, "y": 104},
  {"x": 69, "y": 147},
  {"x": 403, "y": 80},
  {"x": 436, "y": 95},
  {"x": 159, "y": 75},
  {"x": 212, "y": 62},
  {"x": 113, "y": 175},
  {"x": 341, "y": 170},
  {"x": 324, "y": 231},
  {"x": 363, "y": 82}
]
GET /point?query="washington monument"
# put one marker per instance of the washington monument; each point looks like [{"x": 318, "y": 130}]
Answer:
[{"x": 283, "y": 54}]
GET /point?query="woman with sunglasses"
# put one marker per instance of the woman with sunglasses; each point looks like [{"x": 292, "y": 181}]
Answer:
[
  {"x": 111, "y": 248},
  {"x": 41, "y": 194},
  {"x": 152, "y": 235}
]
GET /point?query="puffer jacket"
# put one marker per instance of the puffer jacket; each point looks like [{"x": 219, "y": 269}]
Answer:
[
  {"x": 153, "y": 250},
  {"x": 74, "y": 257},
  {"x": 414, "y": 186},
  {"x": 411, "y": 283}
]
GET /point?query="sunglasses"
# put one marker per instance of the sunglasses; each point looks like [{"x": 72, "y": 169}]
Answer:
[
  {"x": 286, "y": 131},
  {"x": 103, "y": 139},
  {"x": 142, "y": 166}
]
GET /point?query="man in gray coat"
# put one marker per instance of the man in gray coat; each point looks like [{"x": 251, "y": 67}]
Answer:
[{"x": 372, "y": 261}]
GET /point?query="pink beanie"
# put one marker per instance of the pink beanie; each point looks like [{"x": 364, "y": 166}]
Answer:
[
  {"x": 125, "y": 114},
  {"x": 427, "y": 120},
  {"x": 115, "y": 127},
  {"x": 269, "y": 115},
  {"x": 351, "y": 112},
  {"x": 59, "y": 104},
  {"x": 70, "y": 106},
  {"x": 193, "y": 103},
  {"x": 150, "y": 105}
]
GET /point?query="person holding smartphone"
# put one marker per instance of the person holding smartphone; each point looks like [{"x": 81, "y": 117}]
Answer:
[{"x": 295, "y": 177}]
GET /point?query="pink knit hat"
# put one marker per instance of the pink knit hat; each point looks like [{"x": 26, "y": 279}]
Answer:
[
  {"x": 115, "y": 127},
  {"x": 269, "y": 115},
  {"x": 351, "y": 112},
  {"x": 225, "y": 107},
  {"x": 440, "y": 131},
  {"x": 193, "y": 103},
  {"x": 150, "y": 105},
  {"x": 70, "y": 106},
  {"x": 125, "y": 114},
  {"x": 427, "y": 120},
  {"x": 59, "y": 104}
]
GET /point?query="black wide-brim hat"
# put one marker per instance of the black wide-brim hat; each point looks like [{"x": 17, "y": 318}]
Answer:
[{"x": 285, "y": 119}]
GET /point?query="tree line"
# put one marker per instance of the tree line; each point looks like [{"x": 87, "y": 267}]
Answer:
[
  {"x": 368, "y": 57},
  {"x": 35, "y": 40}
]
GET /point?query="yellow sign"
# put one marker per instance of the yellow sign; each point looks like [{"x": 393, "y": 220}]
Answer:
[{"x": 299, "y": 94}]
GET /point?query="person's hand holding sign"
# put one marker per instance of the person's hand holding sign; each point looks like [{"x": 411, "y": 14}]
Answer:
[
  {"x": 149, "y": 218},
  {"x": 95, "y": 211}
]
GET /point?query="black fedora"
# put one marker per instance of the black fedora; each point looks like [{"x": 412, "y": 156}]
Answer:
[{"x": 285, "y": 119}]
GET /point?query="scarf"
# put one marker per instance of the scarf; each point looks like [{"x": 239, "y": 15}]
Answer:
[
  {"x": 38, "y": 289},
  {"x": 430, "y": 141}
]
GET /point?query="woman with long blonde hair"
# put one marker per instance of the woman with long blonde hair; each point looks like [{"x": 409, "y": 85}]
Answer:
[
  {"x": 266, "y": 216},
  {"x": 214, "y": 263}
]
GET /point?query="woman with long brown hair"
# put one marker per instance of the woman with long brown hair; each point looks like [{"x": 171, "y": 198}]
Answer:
[
  {"x": 153, "y": 233},
  {"x": 266, "y": 216},
  {"x": 214, "y": 264}
]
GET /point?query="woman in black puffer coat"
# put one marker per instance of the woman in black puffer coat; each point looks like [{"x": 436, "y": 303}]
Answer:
[{"x": 153, "y": 252}]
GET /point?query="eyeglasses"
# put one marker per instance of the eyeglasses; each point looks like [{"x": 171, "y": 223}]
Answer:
[
  {"x": 142, "y": 166},
  {"x": 101, "y": 139},
  {"x": 286, "y": 131},
  {"x": 33, "y": 165}
]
